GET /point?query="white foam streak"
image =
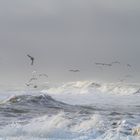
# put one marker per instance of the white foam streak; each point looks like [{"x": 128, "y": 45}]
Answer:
[
  {"x": 89, "y": 92},
  {"x": 86, "y": 87},
  {"x": 43, "y": 127},
  {"x": 60, "y": 127},
  {"x": 78, "y": 126}
]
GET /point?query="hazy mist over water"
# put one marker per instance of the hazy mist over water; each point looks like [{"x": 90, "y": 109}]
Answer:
[{"x": 64, "y": 35}]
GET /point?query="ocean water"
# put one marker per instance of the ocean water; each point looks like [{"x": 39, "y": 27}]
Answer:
[{"x": 83, "y": 110}]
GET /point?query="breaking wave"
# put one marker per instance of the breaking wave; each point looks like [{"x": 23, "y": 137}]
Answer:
[
  {"x": 73, "y": 111},
  {"x": 84, "y": 87},
  {"x": 68, "y": 127}
]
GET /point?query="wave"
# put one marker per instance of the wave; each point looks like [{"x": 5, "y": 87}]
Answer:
[
  {"x": 41, "y": 116},
  {"x": 84, "y": 87},
  {"x": 64, "y": 127},
  {"x": 41, "y": 101},
  {"x": 55, "y": 127},
  {"x": 26, "y": 107}
]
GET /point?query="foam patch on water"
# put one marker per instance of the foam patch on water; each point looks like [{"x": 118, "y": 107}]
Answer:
[
  {"x": 108, "y": 112},
  {"x": 89, "y": 92},
  {"x": 63, "y": 127},
  {"x": 84, "y": 87}
]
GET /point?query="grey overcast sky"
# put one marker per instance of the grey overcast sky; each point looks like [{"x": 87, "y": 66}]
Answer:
[{"x": 69, "y": 34}]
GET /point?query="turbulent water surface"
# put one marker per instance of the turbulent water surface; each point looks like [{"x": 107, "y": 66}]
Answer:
[{"x": 73, "y": 111}]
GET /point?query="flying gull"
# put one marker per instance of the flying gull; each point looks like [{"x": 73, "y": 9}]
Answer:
[
  {"x": 103, "y": 64},
  {"x": 43, "y": 75},
  {"x": 31, "y": 58},
  {"x": 32, "y": 79},
  {"x": 74, "y": 70},
  {"x": 28, "y": 84},
  {"x": 128, "y": 65},
  {"x": 115, "y": 62}
]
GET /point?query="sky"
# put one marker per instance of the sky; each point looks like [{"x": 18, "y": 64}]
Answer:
[{"x": 73, "y": 34}]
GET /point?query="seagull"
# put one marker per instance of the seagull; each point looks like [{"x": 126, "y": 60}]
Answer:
[
  {"x": 32, "y": 79},
  {"x": 28, "y": 84},
  {"x": 32, "y": 59},
  {"x": 103, "y": 64},
  {"x": 115, "y": 62},
  {"x": 43, "y": 74},
  {"x": 108, "y": 65},
  {"x": 128, "y": 65},
  {"x": 74, "y": 70}
]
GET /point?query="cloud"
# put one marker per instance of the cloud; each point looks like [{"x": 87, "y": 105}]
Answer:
[{"x": 64, "y": 34}]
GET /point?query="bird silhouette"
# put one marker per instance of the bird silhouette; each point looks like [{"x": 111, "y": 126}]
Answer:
[
  {"x": 103, "y": 64},
  {"x": 128, "y": 65},
  {"x": 74, "y": 70},
  {"x": 31, "y": 58},
  {"x": 115, "y": 62},
  {"x": 43, "y": 75},
  {"x": 32, "y": 79},
  {"x": 28, "y": 84}
]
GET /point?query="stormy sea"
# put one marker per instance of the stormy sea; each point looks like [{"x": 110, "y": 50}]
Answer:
[{"x": 82, "y": 110}]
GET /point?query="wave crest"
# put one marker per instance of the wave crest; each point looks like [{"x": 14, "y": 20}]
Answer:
[{"x": 85, "y": 87}]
